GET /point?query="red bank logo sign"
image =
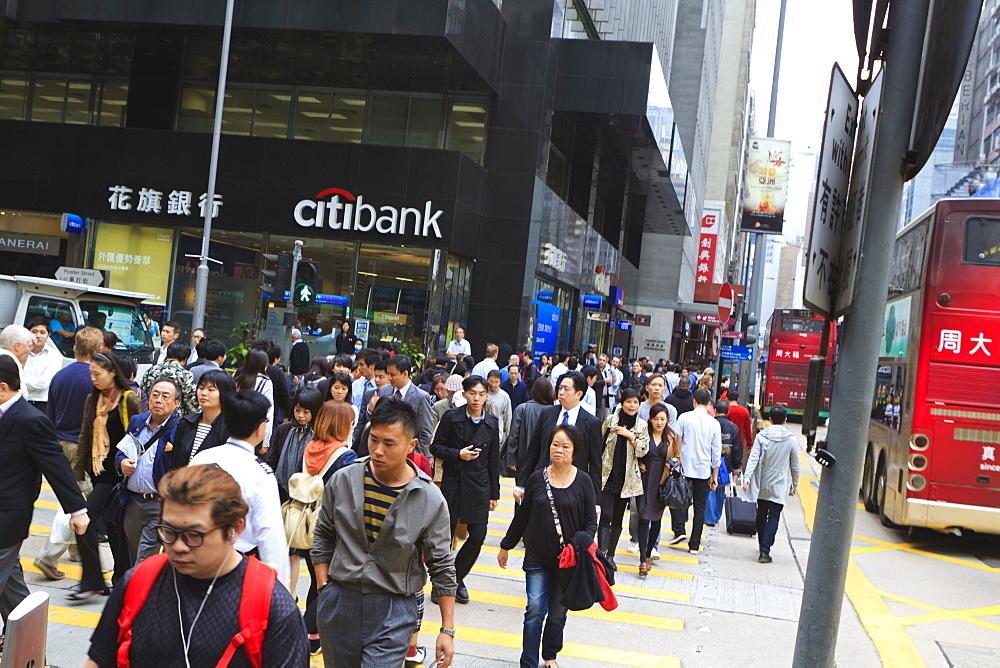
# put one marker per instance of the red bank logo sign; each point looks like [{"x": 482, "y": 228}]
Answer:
[{"x": 344, "y": 211}]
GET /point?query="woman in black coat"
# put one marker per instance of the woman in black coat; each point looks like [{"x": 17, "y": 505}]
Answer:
[
  {"x": 207, "y": 429},
  {"x": 346, "y": 340},
  {"x": 467, "y": 441}
]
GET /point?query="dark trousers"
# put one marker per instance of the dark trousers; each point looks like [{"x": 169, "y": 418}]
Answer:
[
  {"x": 612, "y": 510},
  {"x": 768, "y": 517},
  {"x": 678, "y": 518},
  {"x": 467, "y": 556},
  {"x": 93, "y": 576},
  {"x": 700, "y": 489},
  {"x": 12, "y": 587}
]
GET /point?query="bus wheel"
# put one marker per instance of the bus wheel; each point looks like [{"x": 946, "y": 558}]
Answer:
[
  {"x": 868, "y": 484},
  {"x": 880, "y": 493}
]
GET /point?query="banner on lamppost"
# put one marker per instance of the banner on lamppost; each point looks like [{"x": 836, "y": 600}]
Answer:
[{"x": 765, "y": 186}]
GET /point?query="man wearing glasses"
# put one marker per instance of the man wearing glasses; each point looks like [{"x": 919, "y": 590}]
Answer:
[
  {"x": 204, "y": 592},
  {"x": 245, "y": 414},
  {"x": 152, "y": 431}
]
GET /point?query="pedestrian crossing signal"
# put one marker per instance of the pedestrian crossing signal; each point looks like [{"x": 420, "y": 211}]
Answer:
[{"x": 306, "y": 282}]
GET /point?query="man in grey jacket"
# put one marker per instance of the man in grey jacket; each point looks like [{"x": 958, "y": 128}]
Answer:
[
  {"x": 773, "y": 472},
  {"x": 378, "y": 519}
]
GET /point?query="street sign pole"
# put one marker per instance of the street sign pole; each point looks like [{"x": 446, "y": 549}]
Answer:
[
  {"x": 836, "y": 506},
  {"x": 290, "y": 305}
]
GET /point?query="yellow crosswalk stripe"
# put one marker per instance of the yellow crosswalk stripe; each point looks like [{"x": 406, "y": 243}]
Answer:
[
  {"x": 628, "y": 589},
  {"x": 49, "y": 505},
  {"x": 616, "y": 616},
  {"x": 622, "y": 567},
  {"x": 59, "y": 614},
  {"x": 573, "y": 650}
]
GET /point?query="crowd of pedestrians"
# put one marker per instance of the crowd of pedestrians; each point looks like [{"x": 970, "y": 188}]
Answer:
[{"x": 366, "y": 470}]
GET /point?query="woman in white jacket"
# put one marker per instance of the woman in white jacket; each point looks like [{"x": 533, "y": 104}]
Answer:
[{"x": 253, "y": 376}]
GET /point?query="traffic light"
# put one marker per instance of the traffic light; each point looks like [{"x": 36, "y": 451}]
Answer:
[
  {"x": 748, "y": 322},
  {"x": 277, "y": 269},
  {"x": 306, "y": 282}
]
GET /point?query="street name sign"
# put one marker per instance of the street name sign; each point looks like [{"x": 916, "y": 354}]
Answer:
[
  {"x": 91, "y": 277},
  {"x": 737, "y": 353}
]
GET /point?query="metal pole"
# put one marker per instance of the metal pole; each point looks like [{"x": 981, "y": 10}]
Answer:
[
  {"x": 748, "y": 376},
  {"x": 829, "y": 551},
  {"x": 201, "y": 280},
  {"x": 290, "y": 305}
]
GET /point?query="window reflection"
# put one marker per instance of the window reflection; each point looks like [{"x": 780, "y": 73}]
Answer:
[
  {"x": 890, "y": 385},
  {"x": 237, "y": 111},
  {"x": 13, "y": 97},
  {"x": 467, "y": 127},
  {"x": 271, "y": 112}
]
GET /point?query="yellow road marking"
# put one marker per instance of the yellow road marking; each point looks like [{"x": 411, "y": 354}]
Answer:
[
  {"x": 621, "y": 567},
  {"x": 573, "y": 650},
  {"x": 616, "y": 616},
  {"x": 50, "y": 505},
  {"x": 891, "y": 640},
  {"x": 59, "y": 614},
  {"x": 937, "y": 614},
  {"x": 640, "y": 591},
  {"x": 72, "y": 571}
]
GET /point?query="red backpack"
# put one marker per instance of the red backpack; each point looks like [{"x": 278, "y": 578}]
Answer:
[{"x": 255, "y": 607}]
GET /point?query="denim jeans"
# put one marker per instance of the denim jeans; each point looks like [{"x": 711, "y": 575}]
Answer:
[
  {"x": 545, "y": 616},
  {"x": 768, "y": 517}
]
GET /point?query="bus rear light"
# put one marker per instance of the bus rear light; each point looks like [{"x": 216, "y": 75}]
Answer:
[
  {"x": 919, "y": 442},
  {"x": 916, "y": 483},
  {"x": 770, "y": 398},
  {"x": 918, "y": 462}
]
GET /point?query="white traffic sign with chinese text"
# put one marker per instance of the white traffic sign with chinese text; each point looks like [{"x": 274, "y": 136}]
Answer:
[
  {"x": 857, "y": 200},
  {"x": 91, "y": 277},
  {"x": 830, "y": 208}
]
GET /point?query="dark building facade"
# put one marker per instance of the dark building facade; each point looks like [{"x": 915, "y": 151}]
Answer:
[{"x": 446, "y": 163}]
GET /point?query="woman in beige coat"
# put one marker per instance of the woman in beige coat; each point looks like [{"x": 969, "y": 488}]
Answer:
[{"x": 626, "y": 439}]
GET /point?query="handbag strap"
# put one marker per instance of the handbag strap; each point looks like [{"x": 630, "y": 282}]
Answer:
[{"x": 552, "y": 505}]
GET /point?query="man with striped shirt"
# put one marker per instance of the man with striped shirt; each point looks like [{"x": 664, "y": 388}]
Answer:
[{"x": 357, "y": 564}]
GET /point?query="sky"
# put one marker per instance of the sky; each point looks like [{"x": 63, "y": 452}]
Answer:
[{"x": 817, "y": 34}]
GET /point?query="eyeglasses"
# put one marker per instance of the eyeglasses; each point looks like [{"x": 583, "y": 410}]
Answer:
[{"x": 191, "y": 537}]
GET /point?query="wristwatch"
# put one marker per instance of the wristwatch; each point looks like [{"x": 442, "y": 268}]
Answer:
[{"x": 450, "y": 632}]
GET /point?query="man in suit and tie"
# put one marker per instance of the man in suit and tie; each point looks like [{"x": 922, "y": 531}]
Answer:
[
  {"x": 398, "y": 367},
  {"x": 569, "y": 391},
  {"x": 28, "y": 449}
]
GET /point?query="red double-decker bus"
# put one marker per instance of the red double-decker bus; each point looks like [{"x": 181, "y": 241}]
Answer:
[
  {"x": 933, "y": 451},
  {"x": 793, "y": 338}
]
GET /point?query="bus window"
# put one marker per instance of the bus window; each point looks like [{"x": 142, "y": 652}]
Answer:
[
  {"x": 889, "y": 395},
  {"x": 803, "y": 325},
  {"x": 982, "y": 241}
]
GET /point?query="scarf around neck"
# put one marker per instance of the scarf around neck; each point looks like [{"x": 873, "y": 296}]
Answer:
[{"x": 101, "y": 442}]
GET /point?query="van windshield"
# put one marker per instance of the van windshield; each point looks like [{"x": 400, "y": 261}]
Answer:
[{"x": 122, "y": 319}]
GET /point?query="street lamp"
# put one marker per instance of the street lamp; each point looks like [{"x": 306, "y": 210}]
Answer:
[{"x": 201, "y": 279}]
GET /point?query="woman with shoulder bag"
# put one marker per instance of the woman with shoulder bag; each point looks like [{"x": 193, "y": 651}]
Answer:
[
  {"x": 663, "y": 445},
  {"x": 326, "y": 454},
  {"x": 106, "y": 415},
  {"x": 557, "y": 490}
]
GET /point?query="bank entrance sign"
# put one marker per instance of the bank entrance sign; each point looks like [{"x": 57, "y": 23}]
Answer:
[{"x": 338, "y": 209}]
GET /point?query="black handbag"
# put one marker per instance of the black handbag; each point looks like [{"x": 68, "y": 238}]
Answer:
[{"x": 675, "y": 492}]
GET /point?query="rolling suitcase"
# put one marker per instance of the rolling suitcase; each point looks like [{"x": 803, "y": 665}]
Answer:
[{"x": 741, "y": 515}]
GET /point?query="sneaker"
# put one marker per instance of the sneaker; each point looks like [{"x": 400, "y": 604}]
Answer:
[
  {"x": 654, "y": 555},
  {"x": 314, "y": 647},
  {"x": 418, "y": 658},
  {"x": 693, "y": 551},
  {"x": 633, "y": 547},
  {"x": 764, "y": 558},
  {"x": 678, "y": 539}
]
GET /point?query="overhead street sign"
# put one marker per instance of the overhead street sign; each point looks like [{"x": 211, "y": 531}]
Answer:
[
  {"x": 91, "y": 277},
  {"x": 830, "y": 208},
  {"x": 857, "y": 200},
  {"x": 737, "y": 353},
  {"x": 726, "y": 296},
  {"x": 732, "y": 335}
]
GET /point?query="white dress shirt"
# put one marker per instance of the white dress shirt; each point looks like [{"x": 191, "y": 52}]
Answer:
[
  {"x": 459, "y": 347},
  {"x": 38, "y": 372},
  {"x": 573, "y": 414},
  {"x": 557, "y": 371},
  {"x": 701, "y": 443},
  {"x": 358, "y": 389},
  {"x": 265, "y": 528},
  {"x": 484, "y": 367},
  {"x": 589, "y": 402}
]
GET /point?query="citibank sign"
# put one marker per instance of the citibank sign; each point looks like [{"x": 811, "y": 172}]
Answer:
[{"x": 344, "y": 211}]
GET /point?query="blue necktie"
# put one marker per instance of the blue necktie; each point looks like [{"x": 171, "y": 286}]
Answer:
[{"x": 565, "y": 419}]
